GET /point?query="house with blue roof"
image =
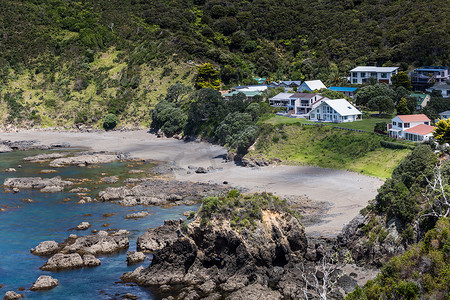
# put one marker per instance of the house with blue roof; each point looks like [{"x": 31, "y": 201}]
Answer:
[{"x": 348, "y": 91}]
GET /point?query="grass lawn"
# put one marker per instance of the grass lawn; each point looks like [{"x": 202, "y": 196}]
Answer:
[
  {"x": 364, "y": 124},
  {"x": 325, "y": 146}
]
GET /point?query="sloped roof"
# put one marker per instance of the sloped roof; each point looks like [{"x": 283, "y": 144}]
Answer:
[
  {"x": 315, "y": 84},
  {"x": 445, "y": 113},
  {"x": 287, "y": 82},
  {"x": 373, "y": 69},
  {"x": 281, "y": 96},
  {"x": 246, "y": 93},
  {"x": 342, "y": 107},
  {"x": 302, "y": 95},
  {"x": 414, "y": 118},
  {"x": 421, "y": 129}
]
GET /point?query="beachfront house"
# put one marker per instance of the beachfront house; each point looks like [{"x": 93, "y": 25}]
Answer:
[
  {"x": 415, "y": 128},
  {"x": 336, "y": 110},
  {"x": 311, "y": 86},
  {"x": 362, "y": 74},
  {"x": 298, "y": 104},
  {"x": 348, "y": 91}
]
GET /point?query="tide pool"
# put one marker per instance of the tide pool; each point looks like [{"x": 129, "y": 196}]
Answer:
[{"x": 24, "y": 225}]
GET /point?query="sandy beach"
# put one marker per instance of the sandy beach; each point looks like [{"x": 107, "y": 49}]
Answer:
[{"x": 346, "y": 192}]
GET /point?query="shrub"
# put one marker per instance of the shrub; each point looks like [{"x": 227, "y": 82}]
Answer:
[
  {"x": 393, "y": 145},
  {"x": 110, "y": 121}
]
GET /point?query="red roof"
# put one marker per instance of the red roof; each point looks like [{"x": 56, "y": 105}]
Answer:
[
  {"x": 414, "y": 118},
  {"x": 421, "y": 129}
]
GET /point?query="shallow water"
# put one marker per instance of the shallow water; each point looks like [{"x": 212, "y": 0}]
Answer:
[{"x": 24, "y": 225}]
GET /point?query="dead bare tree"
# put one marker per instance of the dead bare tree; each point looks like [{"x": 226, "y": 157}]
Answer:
[
  {"x": 320, "y": 286},
  {"x": 437, "y": 195}
]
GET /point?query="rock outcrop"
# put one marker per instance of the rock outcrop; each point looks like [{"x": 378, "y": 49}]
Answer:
[
  {"x": 218, "y": 259},
  {"x": 140, "y": 214},
  {"x": 83, "y": 226},
  {"x": 384, "y": 245},
  {"x": 36, "y": 183},
  {"x": 135, "y": 257},
  {"x": 157, "y": 238},
  {"x": 100, "y": 243},
  {"x": 44, "y": 282},
  {"x": 61, "y": 261},
  {"x": 45, "y": 157},
  {"x": 160, "y": 192},
  {"x": 88, "y": 158}
]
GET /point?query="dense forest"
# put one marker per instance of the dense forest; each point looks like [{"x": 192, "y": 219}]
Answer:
[{"x": 77, "y": 60}]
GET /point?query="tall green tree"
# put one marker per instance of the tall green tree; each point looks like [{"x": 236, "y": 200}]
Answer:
[
  {"x": 442, "y": 131},
  {"x": 207, "y": 77},
  {"x": 402, "y": 107},
  {"x": 401, "y": 79},
  {"x": 382, "y": 104}
]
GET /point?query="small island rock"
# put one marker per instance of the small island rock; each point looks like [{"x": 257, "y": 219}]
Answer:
[
  {"x": 44, "y": 282},
  {"x": 45, "y": 248},
  {"x": 83, "y": 226}
]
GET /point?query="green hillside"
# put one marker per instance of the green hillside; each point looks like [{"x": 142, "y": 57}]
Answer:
[{"x": 73, "y": 61}]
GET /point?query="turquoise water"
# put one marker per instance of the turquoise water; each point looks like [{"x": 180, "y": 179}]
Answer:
[{"x": 24, "y": 225}]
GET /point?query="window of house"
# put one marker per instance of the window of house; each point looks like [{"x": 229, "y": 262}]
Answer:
[
  {"x": 313, "y": 116},
  {"x": 406, "y": 125},
  {"x": 383, "y": 75},
  {"x": 394, "y": 123},
  {"x": 400, "y": 124},
  {"x": 427, "y": 123},
  {"x": 363, "y": 74},
  {"x": 373, "y": 74},
  {"x": 355, "y": 80}
]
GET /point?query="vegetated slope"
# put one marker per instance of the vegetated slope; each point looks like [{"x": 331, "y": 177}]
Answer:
[
  {"x": 327, "y": 147},
  {"x": 408, "y": 218},
  {"x": 72, "y": 61}
]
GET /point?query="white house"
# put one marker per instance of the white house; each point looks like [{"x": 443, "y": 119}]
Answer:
[
  {"x": 337, "y": 110},
  {"x": 444, "y": 88},
  {"x": 288, "y": 85},
  {"x": 311, "y": 86},
  {"x": 298, "y": 104},
  {"x": 362, "y": 74},
  {"x": 414, "y": 128},
  {"x": 444, "y": 115}
]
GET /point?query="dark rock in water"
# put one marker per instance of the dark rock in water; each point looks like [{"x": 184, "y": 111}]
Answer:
[
  {"x": 129, "y": 296},
  {"x": 218, "y": 259},
  {"x": 159, "y": 237},
  {"x": 60, "y": 145},
  {"x": 11, "y": 295},
  {"x": 160, "y": 192},
  {"x": 44, "y": 282}
]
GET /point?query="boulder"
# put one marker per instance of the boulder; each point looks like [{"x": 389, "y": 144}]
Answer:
[
  {"x": 45, "y": 248},
  {"x": 85, "y": 159},
  {"x": 100, "y": 243},
  {"x": 52, "y": 189},
  {"x": 45, "y": 156},
  {"x": 83, "y": 226},
  {"x": 61, "y": 261},
  {"x": 5, "y": 148},
  {"x": 255, "y": 292},
  {"x": 90, "y": 260},
  {"x": 201, "y": 170},
  {"x": 44, "y": 282},
  {"x": 11, "y": 295},
  {"x": 135, "y": 257},
  {"x": 10, "y": 170}
]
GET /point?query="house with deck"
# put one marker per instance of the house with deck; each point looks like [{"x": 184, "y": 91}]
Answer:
[
  {"x": 361, "y": 74},
  {"x": 336, "y": 110},
  {"x": 424, "y": 77},
  {"x": 415, "y": 128},
  {"x": 297, "y": 104},
  {"x": 311, "y": 86}
]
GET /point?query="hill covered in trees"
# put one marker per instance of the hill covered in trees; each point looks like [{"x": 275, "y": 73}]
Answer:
[{"x": 78, "y": 60}]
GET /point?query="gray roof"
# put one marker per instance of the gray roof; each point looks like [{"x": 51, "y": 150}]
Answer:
[
  {"x": 373, "y": 69},
  {"x": 445, "y": 113}
]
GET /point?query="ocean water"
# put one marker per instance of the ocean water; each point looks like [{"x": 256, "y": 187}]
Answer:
[{"x": 24, "y": 225}]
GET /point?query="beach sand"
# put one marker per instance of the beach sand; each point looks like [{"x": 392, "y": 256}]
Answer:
[{"x": 346, "y": 192}]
